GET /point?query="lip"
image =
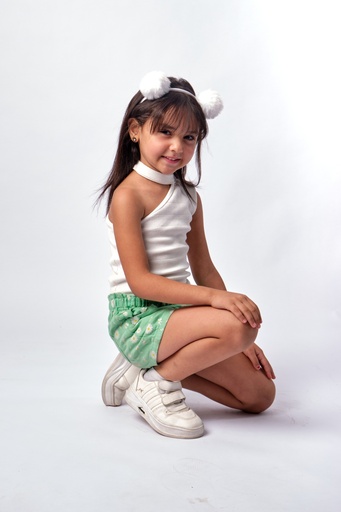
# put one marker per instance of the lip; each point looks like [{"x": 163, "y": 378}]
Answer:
[{"x": 172, "y": 160}]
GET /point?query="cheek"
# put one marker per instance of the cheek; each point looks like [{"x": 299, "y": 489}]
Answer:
[{"x": 190, "y": 151}]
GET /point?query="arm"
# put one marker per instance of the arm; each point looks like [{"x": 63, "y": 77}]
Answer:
[
  {"x": 205, "y": 274},
  {"x": 202, "y": 267},
  {"x": 125, "y": 213}
]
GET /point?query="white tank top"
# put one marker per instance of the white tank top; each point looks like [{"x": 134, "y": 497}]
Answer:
[{"x": 164, "y": 233}]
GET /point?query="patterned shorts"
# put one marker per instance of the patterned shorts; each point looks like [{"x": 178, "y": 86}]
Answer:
[{"x": 136, "y": 326}]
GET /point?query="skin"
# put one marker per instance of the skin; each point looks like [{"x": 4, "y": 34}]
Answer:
[{"x": 209, "y": 345}]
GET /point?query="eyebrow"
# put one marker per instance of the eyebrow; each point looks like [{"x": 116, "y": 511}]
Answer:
[{"x": 172, "y": 128}]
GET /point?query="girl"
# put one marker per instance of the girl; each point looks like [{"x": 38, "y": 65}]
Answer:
[{"x": 170, "y": 332}]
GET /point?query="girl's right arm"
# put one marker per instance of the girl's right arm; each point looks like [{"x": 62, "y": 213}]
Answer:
[{"x": 126, "y": 212}]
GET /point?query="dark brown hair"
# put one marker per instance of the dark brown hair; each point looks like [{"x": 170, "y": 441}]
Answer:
[{"x": 177, "y": 107}]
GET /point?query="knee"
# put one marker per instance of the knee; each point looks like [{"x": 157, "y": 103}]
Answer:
[
  {"x": 244, "y": 336},
  {"x": 233, "y": 336},
  {"x": 261, "y": 398}
]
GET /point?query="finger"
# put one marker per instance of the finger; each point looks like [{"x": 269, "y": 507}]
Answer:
[
  {"x": 250, "y": 312},
  {"x": 267, "y": 368},
  {"x": 253, "y": 358},
  {"x": 255, "y": 310},
  {"x": 238, "y": 313},
  {"x": 250, "y": 308},
  {"x": 244, "y": 316}
]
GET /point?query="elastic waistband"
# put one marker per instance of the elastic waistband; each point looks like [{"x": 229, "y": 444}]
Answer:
[{"x": 128, "y": 300}]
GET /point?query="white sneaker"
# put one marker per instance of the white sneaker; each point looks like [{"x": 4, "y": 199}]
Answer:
[
  {"x": 117, "y": 380},
  {"x": 162, "y": 405}
]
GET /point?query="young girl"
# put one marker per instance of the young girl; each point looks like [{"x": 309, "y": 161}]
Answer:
[{"x": 171, "y": 333}]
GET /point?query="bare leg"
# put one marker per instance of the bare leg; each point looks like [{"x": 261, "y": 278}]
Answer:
[
  {"x": 202, "y": 347},
  {"x": 197, "y": 338},
  {"x": 234, "y": 383}
]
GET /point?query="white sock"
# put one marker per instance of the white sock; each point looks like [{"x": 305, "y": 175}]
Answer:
[{"x": 151, "y": 375}]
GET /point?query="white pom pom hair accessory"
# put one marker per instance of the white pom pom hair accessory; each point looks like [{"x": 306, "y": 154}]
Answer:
[{"x": 156, "y": 84}]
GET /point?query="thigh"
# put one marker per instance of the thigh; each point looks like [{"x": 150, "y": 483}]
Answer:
[{"x": 194, "y": 323}]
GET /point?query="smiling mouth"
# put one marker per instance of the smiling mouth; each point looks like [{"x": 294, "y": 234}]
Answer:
[{"x": 172, "y": 159}]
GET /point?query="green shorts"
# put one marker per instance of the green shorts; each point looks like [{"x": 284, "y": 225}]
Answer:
[{"x": 136, "y": 326}]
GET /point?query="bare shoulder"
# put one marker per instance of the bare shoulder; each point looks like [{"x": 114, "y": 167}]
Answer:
[{"x": 127, "y": 199}]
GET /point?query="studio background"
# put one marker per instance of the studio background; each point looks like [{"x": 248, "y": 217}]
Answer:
[{"x": 270, "y": 190}]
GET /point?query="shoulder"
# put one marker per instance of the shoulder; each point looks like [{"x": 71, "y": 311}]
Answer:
[
  {"x": 194, "y": 198},
  {"x": 193, "y": 193},
  {"x": 126, "y": 200},
  {"x": 198, "y": 206},
  {"x": 125, "y": 197},
  {"x": 189, "y": 195}
]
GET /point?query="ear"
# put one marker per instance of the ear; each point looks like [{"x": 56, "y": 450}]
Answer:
[{"x": 134, "y": 128}]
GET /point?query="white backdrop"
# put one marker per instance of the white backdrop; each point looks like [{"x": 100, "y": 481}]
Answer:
[{"x": 271, "y": 182}]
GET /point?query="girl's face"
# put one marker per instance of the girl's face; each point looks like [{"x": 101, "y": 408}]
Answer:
[{"x": 167, "y": 149}]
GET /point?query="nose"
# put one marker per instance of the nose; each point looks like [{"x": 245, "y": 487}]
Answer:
[{"x": 176, "y": 145}]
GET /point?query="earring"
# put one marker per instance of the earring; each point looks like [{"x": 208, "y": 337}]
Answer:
[{"x": 134, "y": 139}]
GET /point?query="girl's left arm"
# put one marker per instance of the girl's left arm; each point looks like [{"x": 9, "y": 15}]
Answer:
[
  {"x": 205, "y": 274},
  {"x": 203, "y": 270}
]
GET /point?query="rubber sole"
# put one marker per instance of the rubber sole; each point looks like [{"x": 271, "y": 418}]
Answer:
[{"x": 111, "y": 394}]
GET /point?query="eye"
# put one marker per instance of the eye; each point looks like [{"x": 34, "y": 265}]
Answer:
[
  {"x": 191, "y": 137},
  {"x": 164, "y": 131}
]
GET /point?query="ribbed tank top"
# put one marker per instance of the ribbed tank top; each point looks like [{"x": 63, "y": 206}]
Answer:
[{"x": 164, "y": 233}]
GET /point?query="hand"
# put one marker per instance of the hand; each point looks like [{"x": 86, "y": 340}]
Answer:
[
  {"x": 240, "y": 305},
  {"x": 259, "y": 361}
]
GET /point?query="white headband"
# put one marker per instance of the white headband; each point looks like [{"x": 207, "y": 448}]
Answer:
[{"x": 156, "y": 84}]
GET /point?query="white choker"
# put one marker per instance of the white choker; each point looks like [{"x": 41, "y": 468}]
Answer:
[{"x": 150, "y": 174}]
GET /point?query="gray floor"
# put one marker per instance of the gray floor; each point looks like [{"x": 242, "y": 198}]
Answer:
[{"x": 63, "y": 450}]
